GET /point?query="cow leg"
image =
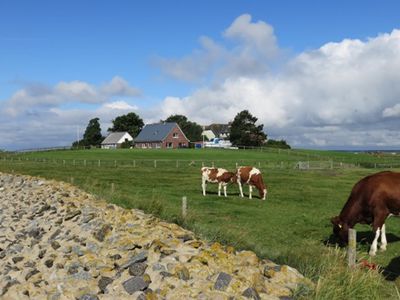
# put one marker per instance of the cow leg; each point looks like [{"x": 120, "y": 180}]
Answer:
[
  {"x": 383, "y": 238},
  {"x": 372, "y": 250},
  {"x": 219, "y": 188},
  {"x": 265, "y": 194},
  {"x": 225, "y": 191},
  {"x": 240, "y": 188},
  {"x": 378, "y": 223},
  {"x": 203, "y": 185},
  {"x": 250, "y": 191}
]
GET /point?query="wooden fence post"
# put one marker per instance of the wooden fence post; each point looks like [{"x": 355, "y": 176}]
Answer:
[
  {"x": 177, "y": 165},
  {"x": 155, "y": 164},
  {"x": 351, "y": 250},
  {"x": 99, "y": 163},
  {"x": 184, "y": 206}
]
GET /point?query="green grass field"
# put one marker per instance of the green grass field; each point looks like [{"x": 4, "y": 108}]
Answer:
[{"x": 290, "y": 227}]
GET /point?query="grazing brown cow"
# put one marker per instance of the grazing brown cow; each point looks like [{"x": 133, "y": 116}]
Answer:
[
  {"x": 216, "y": 175},
  {"x": 371, "y": 201},
  {"x": 251, "y": 176}
]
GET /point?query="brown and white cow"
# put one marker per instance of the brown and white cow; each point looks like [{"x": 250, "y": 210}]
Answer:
[
  {"x": 251, "y": 176},
  {"x": 371, "y": 201},
  {"x": 216, "y": 175}
]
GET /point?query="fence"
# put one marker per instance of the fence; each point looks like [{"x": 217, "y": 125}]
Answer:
[{"x": 171, "y": 163}]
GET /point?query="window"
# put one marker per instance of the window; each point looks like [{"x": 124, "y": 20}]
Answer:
[
  {"x": 175, "y": 135},
  {"x": 169, "y": 145}
]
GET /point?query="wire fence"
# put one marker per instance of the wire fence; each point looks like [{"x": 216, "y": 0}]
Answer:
[{"x": 174, "y": 163}]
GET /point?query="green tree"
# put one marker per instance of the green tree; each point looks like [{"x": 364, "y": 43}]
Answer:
[
  {"x": 192, "y": 130},
  {"x": 130, "y": 122},
  {"x": 278, "y": 144},
  {"x": 245, "y": 132},
  {"x": 92, "y": 135}
]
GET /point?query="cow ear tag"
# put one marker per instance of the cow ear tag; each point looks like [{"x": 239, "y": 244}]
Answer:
[{"x": 340, "y": 226}]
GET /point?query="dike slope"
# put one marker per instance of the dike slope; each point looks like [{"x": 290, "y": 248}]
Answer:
[{"x": 58, "y": 242}]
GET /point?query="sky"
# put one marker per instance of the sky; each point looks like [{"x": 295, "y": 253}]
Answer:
[{"x": 318, "y": 74}]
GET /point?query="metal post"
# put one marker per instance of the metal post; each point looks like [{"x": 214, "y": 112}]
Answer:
[
  {"x": 184, "y": 206},
  {"x": 351, "y": 250}
]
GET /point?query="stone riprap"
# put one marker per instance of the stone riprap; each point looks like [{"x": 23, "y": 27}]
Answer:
[{"x": 58, "y": 242}]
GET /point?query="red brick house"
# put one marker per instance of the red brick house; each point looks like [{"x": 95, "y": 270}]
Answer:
[{"x": 161, "y": 135}]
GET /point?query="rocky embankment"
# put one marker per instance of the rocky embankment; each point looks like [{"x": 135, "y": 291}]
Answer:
[{"x": 58, "y": 242}]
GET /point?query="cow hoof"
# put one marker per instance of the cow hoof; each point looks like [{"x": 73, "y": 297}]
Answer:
[{"x": 382, "y": 248}]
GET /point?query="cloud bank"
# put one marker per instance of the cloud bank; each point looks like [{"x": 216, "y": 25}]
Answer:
[
  {"x": 42, "y": 116},
  {"x": 345, "y": 94}
]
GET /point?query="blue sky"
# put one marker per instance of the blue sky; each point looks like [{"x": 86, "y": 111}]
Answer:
[{"x": 320, "y": 74}]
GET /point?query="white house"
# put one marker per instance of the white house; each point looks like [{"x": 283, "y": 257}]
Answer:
[{"x": 115, "y": 139}]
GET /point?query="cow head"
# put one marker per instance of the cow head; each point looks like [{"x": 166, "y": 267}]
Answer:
[{"x": 340, "y": 230}]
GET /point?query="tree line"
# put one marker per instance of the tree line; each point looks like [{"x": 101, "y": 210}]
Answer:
[{"x": 244, "y": 130}]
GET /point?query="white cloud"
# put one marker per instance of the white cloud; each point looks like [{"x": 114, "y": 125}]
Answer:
[
  {"x": 119, "y": 86},
  {"x": 246, "y": 48},
  {"x": 119, "y": 105},
  {"x": 39, "y": 97},
  {"x": 35, "y": 116},
  {"x": 351, "y": 87},
  {"x": 392, "y": 111},
  {"x": 257, "y": 36}
]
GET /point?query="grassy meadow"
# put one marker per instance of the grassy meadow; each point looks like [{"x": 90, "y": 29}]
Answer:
[{"x": 290, "y": 227}]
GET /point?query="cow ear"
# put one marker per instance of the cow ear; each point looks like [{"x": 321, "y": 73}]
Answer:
[{"x": 335, "y": 220}]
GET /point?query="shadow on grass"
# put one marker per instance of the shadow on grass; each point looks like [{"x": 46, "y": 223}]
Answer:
[
  {"x": 363, "y": 238},
  {"x": 392, "y": 271}
]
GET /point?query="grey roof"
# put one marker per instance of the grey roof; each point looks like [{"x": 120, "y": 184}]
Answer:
[
  {"x": 155, "y": 132},
  {"x": 113, "y": 138}
]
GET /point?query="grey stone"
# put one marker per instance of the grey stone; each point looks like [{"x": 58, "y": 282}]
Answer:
[
  {"x": 251, "y": 293},
  {"x": 101, "y": 233},
  {"x": 42, "y": 253},
  {"x": 17, "y": 259},
  {"x": 70, "y": 215},
  {"x": 222, "y": 281},
  {"x": 55, "y": 234},
  {"x": 88, "y": 297},
  {"x": 55, "y": 245},
  {"x": 135, "y": 284},
  {"x": 103, "y": 283},
  {"x": 31, "y": 273},
  {"x": 141, "y": 257},
  {"x": 49, "y": 263},
  {"x": 9, "y": 284},
  {"x": 82, "y": 275},
  {"x": 137, "y": 269}
]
